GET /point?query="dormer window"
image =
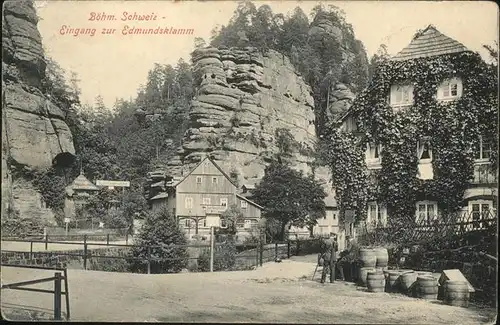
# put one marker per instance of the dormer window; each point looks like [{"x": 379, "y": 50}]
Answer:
[
  {"x": 450, "y": 89},
  {"x": 401, "y": 95},
  {"x": 198, "y": 179}
]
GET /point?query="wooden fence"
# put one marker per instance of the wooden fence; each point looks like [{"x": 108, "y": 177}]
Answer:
[
  {"x": 414, "y": 231},
  {"x": 250, "y": 255}
]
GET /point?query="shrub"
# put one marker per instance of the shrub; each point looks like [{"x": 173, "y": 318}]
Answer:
[
  {"x": 224, "y": 258},
  {"x": 161, "y": 229},
  {"x": 111, "y": 264}
]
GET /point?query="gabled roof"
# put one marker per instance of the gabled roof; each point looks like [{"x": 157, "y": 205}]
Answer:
[
  {"x": 82, "y": 183},
  {"x": 249, "y": 201},
  {"x": 429, "y": 42},
  {"x": 216, "y": 166},
  {"x": 159, "y": 196}
]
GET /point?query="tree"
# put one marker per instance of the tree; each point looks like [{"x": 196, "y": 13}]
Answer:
[
  {"x": 199, "y": 43},
  {"x": 161, "y": 229},
  {"x": 378, "y": 59},
  {"x": 232, "y": 216},
  {"x": 289, "y": 197}
]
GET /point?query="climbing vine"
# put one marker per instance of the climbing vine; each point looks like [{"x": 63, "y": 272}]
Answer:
[
  {"x": 342, "y": 152},
  {"x": 452, "y": 129}
]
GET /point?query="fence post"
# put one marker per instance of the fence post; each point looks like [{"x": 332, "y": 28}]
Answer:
[
  {"x": 66, "y": 292},
  {"x": 275, "y": 251},
  {"x": 261, "y": 252},
  {"x": 126, "y": 238},
  {"x": 288, "y": 248},
  {"x": 46, "y": 241},
  {"x": 57, "y": 296},
  {"x": 84, "y": 252},
  {"x": 298, "y": 247},
  {"x": 149, "y": 259},
  {"x": 31, "y": 251},
  {"x": 212, "y": 246},
  {"x": 107, "y": 239}
]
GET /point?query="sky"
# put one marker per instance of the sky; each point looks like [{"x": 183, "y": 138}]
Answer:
[{"x": 115, "y": 65}]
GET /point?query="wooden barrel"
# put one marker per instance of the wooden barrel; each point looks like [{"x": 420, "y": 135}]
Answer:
[
  {"x": 368, "y": 257},
  {"x": 382, "y": 257},
  {"x": 363, "y": 274},
  {"x": 375, "y": 281},
  {"x": 407, "y": 279},
  {"x": 424, "y": 273},
  {"x": 393, "y": 281},
  {"x": 456, "y": 293},
  {"x": 427, "y": 287}
]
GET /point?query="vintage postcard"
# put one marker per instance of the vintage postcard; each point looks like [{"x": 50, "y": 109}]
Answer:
[{"x": 250, "y": 161}]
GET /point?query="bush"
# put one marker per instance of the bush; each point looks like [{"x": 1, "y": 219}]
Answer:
[
  {"x": 161, "y": 228},
  {"x": 110, "y": 264},
  {"x": 224, "y": 258}
]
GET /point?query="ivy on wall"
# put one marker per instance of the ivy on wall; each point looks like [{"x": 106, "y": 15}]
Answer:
[{"x": 453, "y": 129}]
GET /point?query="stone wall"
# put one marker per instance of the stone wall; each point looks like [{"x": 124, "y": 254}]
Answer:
[{"x": 34, "y": 130}]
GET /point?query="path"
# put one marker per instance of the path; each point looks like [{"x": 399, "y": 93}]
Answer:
[{"x": 276, "y": 292}]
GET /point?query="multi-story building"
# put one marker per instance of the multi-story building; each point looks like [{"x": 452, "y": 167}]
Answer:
[
  {"x": 199, "y": 199},
  {"x": 481, "y": 196}
]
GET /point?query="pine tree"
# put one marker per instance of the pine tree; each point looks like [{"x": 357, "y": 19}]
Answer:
[{"x": 161, "y": 229}]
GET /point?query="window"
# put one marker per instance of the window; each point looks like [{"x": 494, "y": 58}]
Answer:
[
  {"x": 377, "y": 214},
  {"x": 426, "y": 211},
  {"x": 480, "y": 210},
  {"x": 334, "y": 216},
  {"x": 187, "y": 222},
  {"x": 373, "y": 153},
  {"x": 215, "y": 180},
  {"x": 450, "y": 89},
  {"x": 223, "y": 223},
  {"x": 206, "y": 201},
  {"x": 244, "y": 204},
  {"x": 424, "y": 151},
  {"x": 202, "y": 223},
  {"x": 223, "y": 201},
  {"x": 401, "y": 95},
  {"x": 188, "y": 203},
  {"x": 248, "y": 224},
  {"x": 199, "y": 179},
  {"x": 482, "y": 151}
]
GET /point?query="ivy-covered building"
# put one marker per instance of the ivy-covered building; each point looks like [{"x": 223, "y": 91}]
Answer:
[{"x": 424, "y": 137}]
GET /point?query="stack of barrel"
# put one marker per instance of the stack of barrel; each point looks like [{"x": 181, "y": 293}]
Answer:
[
  {"x": 415, "y": 283},
  {"x": 374, "y": 262}
]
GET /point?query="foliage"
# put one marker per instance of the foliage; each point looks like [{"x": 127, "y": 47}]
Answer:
[
  {"x": 51, "y": 184},
  {"x": 111, "y": 264},
  {"x": 343, "y": 153},
  {"x": 452, "y": 127},
  {"x": 13, "y": 225},
  {"x": 319, "y": 58},
  {"x": 224, "y": 258},
  {"x": 233, "y": 216},
  {"x": 289, "y": 197},
  {"x": 161, "y": 229}
]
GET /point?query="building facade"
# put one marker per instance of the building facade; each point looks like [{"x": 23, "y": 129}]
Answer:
[
  {"x": 200, "y": 198},
  {"x": 481, "y": 196}
]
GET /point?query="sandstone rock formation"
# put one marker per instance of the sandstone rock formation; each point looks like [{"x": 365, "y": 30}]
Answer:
[
  {"x": 34, "y": 130},
  {"x": 242, "y": 98},
  {"x": 352, "y": 59}
]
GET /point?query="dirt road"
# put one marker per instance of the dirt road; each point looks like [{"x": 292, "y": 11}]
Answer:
[{"x": 276, "y": 292}]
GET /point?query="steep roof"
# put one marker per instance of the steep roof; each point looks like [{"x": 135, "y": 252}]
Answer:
[
  {"x": 199, "y": 164},
  {"x": 249, "y": 201},
  {"x": 429, "y": 42},
  {"x": 82, "y": 183}
]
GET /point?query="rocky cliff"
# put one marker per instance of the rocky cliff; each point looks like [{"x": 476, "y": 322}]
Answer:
[
  {"x": 34, "y": 130},
  {"x": 352, "y": 63},
  {"x": 243, "y": 98}
]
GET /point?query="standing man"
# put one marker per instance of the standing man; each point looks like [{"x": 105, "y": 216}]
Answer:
[{"x": 329, "y": 255}]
